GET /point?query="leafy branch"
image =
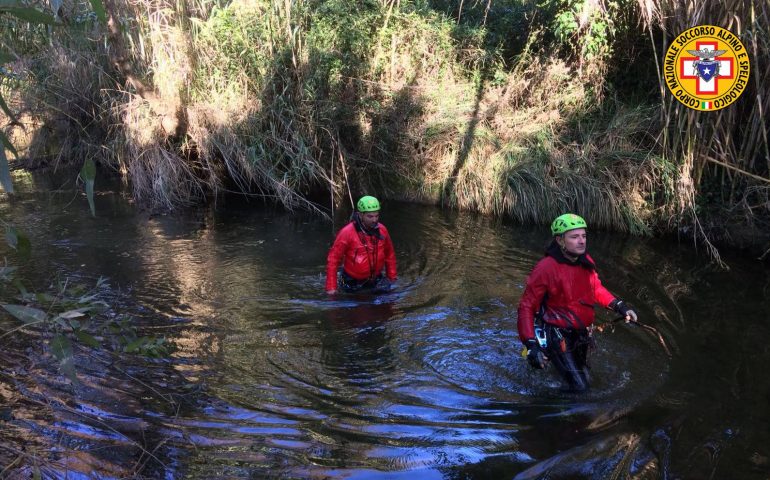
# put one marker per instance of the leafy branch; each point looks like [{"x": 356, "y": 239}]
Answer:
[
  {"x": 75, "y": 313},
  {"x": 32, "y": 15}
]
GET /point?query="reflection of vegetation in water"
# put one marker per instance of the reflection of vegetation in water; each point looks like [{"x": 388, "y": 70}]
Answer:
[{"x": 286, "y": 379}]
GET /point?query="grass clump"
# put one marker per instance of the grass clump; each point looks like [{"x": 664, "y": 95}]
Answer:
[{"x": 463, "y": 103}]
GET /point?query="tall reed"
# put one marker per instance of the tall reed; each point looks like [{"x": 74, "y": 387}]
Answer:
[
  {"x": 324, "y": 100},
  {"x": 722, "y": 155}
]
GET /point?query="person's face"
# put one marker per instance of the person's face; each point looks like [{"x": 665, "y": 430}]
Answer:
[
  {"x": 573, "y": 242},
  {"x": 370, "y": 219}
]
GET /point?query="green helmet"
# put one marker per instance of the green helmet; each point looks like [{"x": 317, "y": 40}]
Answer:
[
  {"x": 368, "y": 204},
  {"x": 565, "y": 223}
]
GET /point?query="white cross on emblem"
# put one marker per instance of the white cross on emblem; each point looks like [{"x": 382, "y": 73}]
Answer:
[{"x": 687, "y": 69}]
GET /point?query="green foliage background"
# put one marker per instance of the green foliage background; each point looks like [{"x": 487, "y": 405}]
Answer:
[{"x": 508, "y": 107}]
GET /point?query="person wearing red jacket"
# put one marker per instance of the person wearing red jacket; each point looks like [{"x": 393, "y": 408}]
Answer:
[
  {"x": 364, "y": 249},
  {"x": 557, "y": 309}
]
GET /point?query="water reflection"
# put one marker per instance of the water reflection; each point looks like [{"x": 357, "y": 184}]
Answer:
[{"x": 272, "y": 378}]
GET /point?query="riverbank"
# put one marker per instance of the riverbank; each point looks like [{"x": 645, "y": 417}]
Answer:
[{"x": 464, "y": 106}]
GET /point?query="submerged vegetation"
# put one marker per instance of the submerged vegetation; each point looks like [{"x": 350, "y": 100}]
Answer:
[
  {"x": 71, "y": 325},
  {"x": 506, "y": 107}
]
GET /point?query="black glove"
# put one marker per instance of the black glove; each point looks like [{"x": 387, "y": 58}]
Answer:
[
  {"x": 535, "y": 355},
  {"x": 620, "y": 306},
  {"x": 383, "y": 286}
]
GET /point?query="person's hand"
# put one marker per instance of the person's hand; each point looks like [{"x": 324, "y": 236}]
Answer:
[
  {"x": 626, "y": 311},
  {"x": 384, "y": 285},
  {"x": 535, "y": 355},
  {"x": 331, "y": 292}
]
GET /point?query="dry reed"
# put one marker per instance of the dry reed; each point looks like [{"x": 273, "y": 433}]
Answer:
[{"x": 265, "y": 101}]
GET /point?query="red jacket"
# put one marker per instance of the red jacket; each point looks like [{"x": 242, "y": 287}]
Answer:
[
  {"x": 364, "y": 255},
  {"x": 569, "y": 290}
]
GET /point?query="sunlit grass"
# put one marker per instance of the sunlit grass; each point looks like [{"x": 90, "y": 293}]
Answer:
[{"x": 294, "y": 100}]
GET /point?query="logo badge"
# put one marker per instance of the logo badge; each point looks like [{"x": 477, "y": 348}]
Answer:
[{"x": 706, "y": 68}]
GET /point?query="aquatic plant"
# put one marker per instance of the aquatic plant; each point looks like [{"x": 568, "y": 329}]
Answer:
[{"x": 68, "y": 311}]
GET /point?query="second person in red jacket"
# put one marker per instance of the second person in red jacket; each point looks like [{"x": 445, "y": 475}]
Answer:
[
  {"x": 364, "y": 249},
  {"x": 557, "y": 309}
]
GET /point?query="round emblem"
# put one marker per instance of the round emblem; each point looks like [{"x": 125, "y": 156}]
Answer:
[{"x": 706, "y": 68}]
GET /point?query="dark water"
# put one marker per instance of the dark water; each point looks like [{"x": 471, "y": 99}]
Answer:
[{"x": 270, "y": 378}]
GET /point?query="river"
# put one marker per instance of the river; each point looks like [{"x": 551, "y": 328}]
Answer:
[{"x": 271, "y": 378}]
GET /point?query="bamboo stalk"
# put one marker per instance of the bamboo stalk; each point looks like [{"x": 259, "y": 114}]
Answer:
[
  {"x": 736, "y": 169},
  {"x": 344, "y": 170},
  {"x": 486, "y": 12}
]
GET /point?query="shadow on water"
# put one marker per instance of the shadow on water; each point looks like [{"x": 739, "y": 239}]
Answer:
[{"x": 271, "y": 378}]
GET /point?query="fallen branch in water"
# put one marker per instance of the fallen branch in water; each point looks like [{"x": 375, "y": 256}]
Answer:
[{"x": 649, "y": 328}]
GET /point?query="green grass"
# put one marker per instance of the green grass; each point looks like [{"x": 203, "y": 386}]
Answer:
[{"x": 498, "y": 115}]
